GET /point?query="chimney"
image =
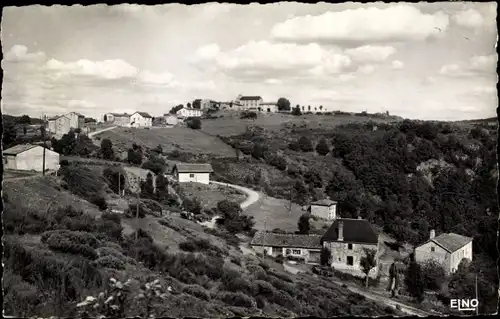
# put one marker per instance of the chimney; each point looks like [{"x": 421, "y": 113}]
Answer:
[
  {"x": 341, "y": 231},
  {"x": 432, "y": 234}
]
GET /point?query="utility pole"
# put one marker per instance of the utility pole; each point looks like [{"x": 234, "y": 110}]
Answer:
[
  {"x": 119, "y": 178},
  {"x": 137, "y": 215},
  {"x": 42, "y": 129},
  {"x": 477, "y": 308}
]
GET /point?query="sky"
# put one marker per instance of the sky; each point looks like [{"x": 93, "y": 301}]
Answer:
[{"x": 416, "y": 60}]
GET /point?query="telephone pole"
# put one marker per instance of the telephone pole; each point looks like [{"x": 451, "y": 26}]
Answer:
[
  {"x": 137, "y": 215},
  {"x": 42, "y": 129}
]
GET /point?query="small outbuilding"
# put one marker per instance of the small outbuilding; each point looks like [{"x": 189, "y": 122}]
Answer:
[
  {"x": 28, "y": 157},
  {"x": 196, "y": 173}
]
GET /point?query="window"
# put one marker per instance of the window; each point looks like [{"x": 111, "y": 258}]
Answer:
[
  {"x": 296, "y": 251},
  {"x": 340, "y": 259},
  {"x": 350, "y": 260},
  {"x": 349, "y": 246},
  {"x": 433, "y": 249},
  {"x": 191, "y": 175}
]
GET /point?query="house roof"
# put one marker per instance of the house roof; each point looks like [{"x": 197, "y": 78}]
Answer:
[
  {"x": 119, "y": 114},
  {"x": 143, "y": 114},
  {"x": 250, "y": 98},
  {"x": 451, "y": 242},
  {"x": 14, "y": 150},
  {"x": 286, "y": 240},
  {"x": 193, "y": 168},
  {"x": 355, "y": 231},
  {"x": 79, "y": 114},
  {"x": 324, "y": 202}
]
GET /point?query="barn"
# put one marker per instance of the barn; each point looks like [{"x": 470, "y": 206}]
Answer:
[
  {"x": 196, "y": 173},
  {"x": 29, "y": 157}
]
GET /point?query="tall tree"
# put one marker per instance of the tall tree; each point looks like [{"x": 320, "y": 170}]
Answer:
[
  {"x": 283, "y": 104},
  {"x": 309, "y": 108},
  {"x": 321, "y": 107},
  {"x": 368, "y": 262},
  {"x": 107, "y": 149},
  {"x": 303, "y": 224},
  {"x": 413, "y": 279},
  {"x": 296, "y": 111},
  {"x": 322, "y": 148}
]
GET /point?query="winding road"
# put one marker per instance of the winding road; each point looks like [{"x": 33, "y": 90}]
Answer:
[
  {"x": 252, "y": 198},
  {"x": 100, "y": 131}
]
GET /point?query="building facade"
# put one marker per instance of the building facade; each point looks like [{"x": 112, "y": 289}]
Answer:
[
  {"x": 29, "y": 157},
  {"x": 62, "y": 125},
  {"x": 447, "y": 249},
  {"x": 306, "y": 247},
  {"x": 117, "y": 119},
  {"x": 348, "y": 240},
  {"x": 170, "y": 119},
  {"x": 189, "y": 112},
  {"x": 250, "y": 102},
  {"x": 268, "y": 107},
  {"x": 194, "y": 173},
  {"x": 77, "y": 120},
  {"x": 324, "y": 209},
  {"x": 141, "y": 119}
]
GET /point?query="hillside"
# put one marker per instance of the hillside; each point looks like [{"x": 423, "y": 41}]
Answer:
[
  {"x": 178, "y": 138},
  {"x": 406, "y": 177},
  {"x": 61, "y": 255}
]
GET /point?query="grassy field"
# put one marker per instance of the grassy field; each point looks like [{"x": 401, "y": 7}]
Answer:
[
  {"x": 231, "y": 124},
  {"x": 209, "y": 195},
  {"x": 270, "y": 213},
  {"x": 10, "y": 174},
  {"x": 178, "y": 138}
]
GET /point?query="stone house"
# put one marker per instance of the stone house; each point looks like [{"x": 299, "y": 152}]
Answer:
[
  {"x": 77, "y": 120},
  {"x": 59, "y": 125},
  {"x": 29, "y": 157},
  {"x": 307, "y": 247},
  {"x": 448, "y": 249},
  {"x": 324, "y": 209},
  {"x": 141, "y": 119},
  {"x": 196, "y": 173},
  {"x": 347, "y": 239},
  {"x": 117, "y": 119},
  {"x": 250, "y": 102}
]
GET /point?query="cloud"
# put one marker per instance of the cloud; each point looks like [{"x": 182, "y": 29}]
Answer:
[
  {"x": 401, "y": 22},
  {"x": 366, "y": 69},
  {"x": 107, "y": 69},
  {"x": 157, "y": 79},
  {"x": 19, "y": 53},
  {"x": 80, "y": 104},
  {"x": 273, "y": 81},
  {"x": 484, "y": 90},
  {"x": 397, "y": 65},
  {"x": 263, "y": 60},
  {"x": 477, "y": 65},
  {"x": 470, "y": 19},
  {"x": 370, "y": 53}
]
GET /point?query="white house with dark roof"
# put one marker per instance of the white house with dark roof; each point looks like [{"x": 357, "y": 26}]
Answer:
[
  {"x": 250, "y": 102},
  {"x": 189, "y": 112},
  {"x": 448, "y": 249},
  {"x": 195, "y": 173},
  {"x": 324, "y": 209},
  {"x": 307, "y": 247},
  {"x": 29, "y": 157},
  {"x": 348, "y": 239},
  {"x": 141, "y": 119}
]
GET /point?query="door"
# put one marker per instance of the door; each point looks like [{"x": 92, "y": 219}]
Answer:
[{"x": 350, "y": 260}]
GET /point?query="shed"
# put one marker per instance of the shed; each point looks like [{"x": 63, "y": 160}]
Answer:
[
  {"x": 197, "y": 173},
  {"x": 28, "y": 157}
]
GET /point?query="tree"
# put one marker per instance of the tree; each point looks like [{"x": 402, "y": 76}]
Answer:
[
  {"x": 105, "y": 118},
  {"x": 321, "y": 107},
  {"x": 283, "y": 104},
  {"x": 175, "y": 109},
  {"x": 434, "y": 275},
  {"x": 368, "y": 262},
  {"x": 66, "y": 145},
  {"x": 296, "y": 111},
  {"x": 305, "y": 144},
  {"x": 192, "y": 205},
  {"x": 188, "y": 105},
  {"x": 134, "y": 155},
  {"x": 325, "y": 257},
  {"x": 309, "y": 108},
  {"x": 413, "y": 279},
  {"x": 25, "y": 119},
  {"x": 304, "y": 225},
  {"x": 303, "y": 108},
  {"x": 322, "y": 148},
  {"x": 107, "y": 149},
  {"x": 161, "y": 187},
  {"x": 232, "y": 218},
  {"x": 25, "y": 130},
  {"x": 9, "y": 134},
  {"x": 315, "y": 109},
  {"x": 196, "y": 104},
  {"x": 194, "y": 123},
  {"x": 147, "y": 187}
]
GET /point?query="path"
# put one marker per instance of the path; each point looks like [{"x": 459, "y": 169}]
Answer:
[
  {"x": 252, "y": 198},
  {"x": 100, "y": 131}
]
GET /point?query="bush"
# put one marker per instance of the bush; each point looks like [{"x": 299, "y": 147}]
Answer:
[
  {"x": 114, "y": 217},
  {"x": 237, "y": 299},
  {"x": 99, "y": 201},
  {"x": 77, "y": 243},
  {"x": 109, "y": 262},
  {"x": 232, "y": 281},
  {"x": 192, "y": 205},
  {"x": 197, "y": 291},
  {"x": 194, "y": 123}
]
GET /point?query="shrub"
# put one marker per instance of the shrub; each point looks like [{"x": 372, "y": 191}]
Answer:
[
  {"x": 305, "y": 144},
  {"x": 237, "y": 299},
  {"x": 99, "y": 201},
  {"x": 71, "y": 242},
  {"x": 197, "y": 291},
  {"x": 264, "y": 288},
  {"x": 114, "y": 217},
  {"x": 109, "y": 262},
  {"x": 192, "y": 205},
  {"x": 194, "y": 123},
  {"x": 232, "y": 281}
]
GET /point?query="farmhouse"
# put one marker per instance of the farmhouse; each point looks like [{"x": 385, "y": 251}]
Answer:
[
  {"x": 448, "y": 249},
  {"x": 29, "y": 157},
  {"x": 250, "y": 102},
  {"x": 59, "y": 125},
  {"x": 77, "y": 120},
  {"x": 324, "y": 209},
  {"x": 141, "y": 119},
  {"x": 347, "y": 239},
  {"x": 170, "y": 119},
  {"x": 268, "y": 107},
  {"x": 197, "y": 173},
  {"x": 117, "y": 119},
  {"x": 306, "y": 247},
  {"x": 189, "y": 112}
]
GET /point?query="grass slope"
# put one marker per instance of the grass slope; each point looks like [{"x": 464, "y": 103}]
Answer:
[{"x": 178, "y": 138}]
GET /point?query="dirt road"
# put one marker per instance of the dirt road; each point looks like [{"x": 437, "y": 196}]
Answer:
[
  {"x": 252, "y": 196},
  {"x": 100, "y": 131}
]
